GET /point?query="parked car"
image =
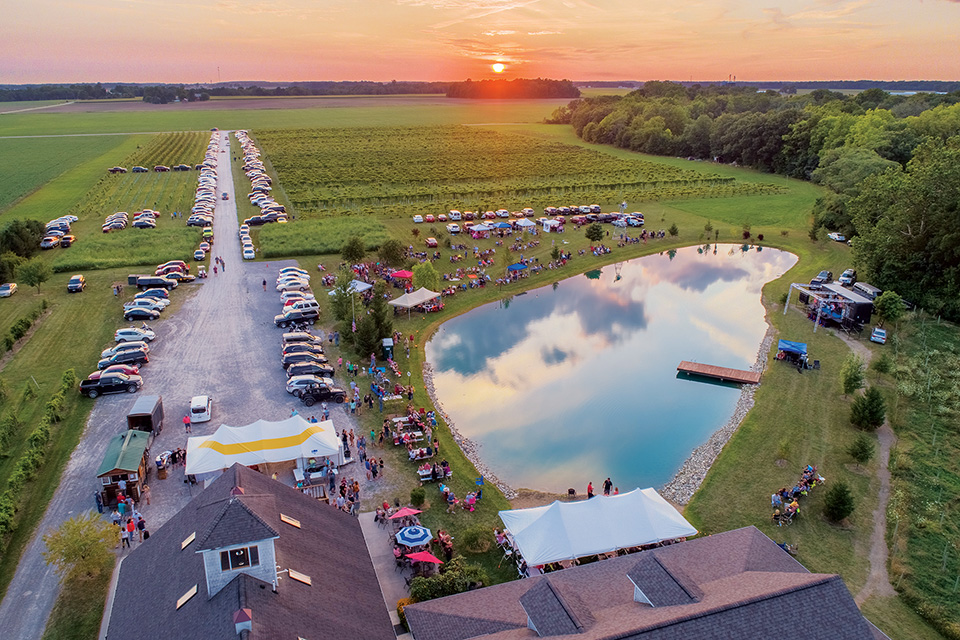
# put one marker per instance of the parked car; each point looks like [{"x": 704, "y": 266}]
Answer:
[
  {"x": 137, "y": 357},
  {"x": 288, "y": 359},
  {"x": 293, "y": 285},
  {"x": 878, "y": 335},
  {"x": 153, "y": 293},
  {"x": 249, "y": 253},
  {"x": 134, "y": 334},
  {"x": 126, "y": 369},
  {"x": 50, "y": 242},
  {"x": 453, "y": 228},
  {"x": 289, "y": 317},
  {"x": 146, "y": 303},
  {"x": 321, "y": 393},
  {"x": 76, "y": 284},
  {"x": 201, "y": 408},
  {"x": 150, "y": 282},
  {"x": 125, "y": 346},
  {"x": 432, "y": 243},
  {"x": 140, "y": 313},
  {"x": 113, "y": 383},
  {"x": 848, "y": 278},
  {"x": 305, "y": 305},
  {"x": 199, "y": 255},
  {"x": 295, "y": 270},
  {"x": 301, "y": 336},
  {"x": 66, "y": 241},
  {"x": 430, "y": 218},
  {"x": 172, "y": 263},
  {"x": 295, "y": 295},
  {"x": 837, "y": 237},
  {"x": 139, "y": 169},
  {"x": 144, "y": 224},
  {"x": 8, "y": 289},
  {"x": 179, "y": 276},
  {"x": 302, "y": 347},
  {"x": 116, "y": 170},
  {"x": 823, "y": 277},
  {"x": 310, "y": 369},
  {"x": 161, "y": 168},
  {"x": 297, "y": 384}
]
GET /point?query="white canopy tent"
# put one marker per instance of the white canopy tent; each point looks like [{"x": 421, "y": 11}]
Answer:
[
  {"x": 479, "y": 227},
  {"x": 419, "y": 296},
  {"x": 551, "y": 225},
  {"x": 526, "y": 223},
  {"x": 263, "y": 442},
  {"x": 568, "y": 530},
  {"x": 355, "y": 286}
]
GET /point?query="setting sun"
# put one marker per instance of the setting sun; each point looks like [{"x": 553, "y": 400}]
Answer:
[{"x": 498, "y": 67}]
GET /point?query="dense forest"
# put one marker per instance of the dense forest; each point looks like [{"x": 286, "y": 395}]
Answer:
[
  {"x": 163, "y": 93},
  {"x": 890, "y": 163},
  {"x": 519, "y": 88}
]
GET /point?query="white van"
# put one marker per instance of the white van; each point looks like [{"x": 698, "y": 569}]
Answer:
[
  {"x": 201, "y": 408},
  {"x": 455, "y": 215}
]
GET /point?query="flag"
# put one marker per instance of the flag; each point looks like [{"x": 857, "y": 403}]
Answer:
[{"x": 354, "y": 326}]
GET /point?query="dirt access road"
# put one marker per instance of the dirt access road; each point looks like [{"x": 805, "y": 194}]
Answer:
[{"x": 222, "y": 342}]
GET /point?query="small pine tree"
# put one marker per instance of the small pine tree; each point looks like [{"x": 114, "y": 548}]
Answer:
[
  {"x": 555, "y": 253},
  {"x": 851, "y": 374},
  {"x": 673, "y": 230},
  {"x": 861, "y": 450},
  {"x": 869, "y": 410},
  {"x": 594, "y": 232},
  {"x": 838, "y": 503}
]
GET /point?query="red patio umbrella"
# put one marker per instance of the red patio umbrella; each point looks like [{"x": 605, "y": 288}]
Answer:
[
  {"x": 424, "y": 556},
  {"x": 403, "y": 275},
  {"x": 406, "y": 511}
]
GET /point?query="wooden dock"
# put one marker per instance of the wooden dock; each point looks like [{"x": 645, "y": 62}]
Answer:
[{"x": 721, "y": 373}]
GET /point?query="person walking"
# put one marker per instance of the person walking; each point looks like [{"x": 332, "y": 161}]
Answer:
[
  {"x": 264, "y": 284},
  {"x": 98, "y": 500},
  {"x": 141, "y": 527},
  {"x": 607, "y": 485},
  {"x": 124, "y": 538},
  {"x": 145, "y": 494},
  {"x": 589, "y": 490},
  {"x": 223, "y": 267},
  {"x": 214, "y": 269}
]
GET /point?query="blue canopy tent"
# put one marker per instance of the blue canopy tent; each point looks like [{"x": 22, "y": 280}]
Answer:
[
  {"x": 502, "y": 225},
  {"x": 519, "y": 266},
  {"x": 799, "y": 348}
]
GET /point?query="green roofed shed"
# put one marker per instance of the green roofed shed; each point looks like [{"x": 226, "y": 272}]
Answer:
[{"x": 124, "y": 465}]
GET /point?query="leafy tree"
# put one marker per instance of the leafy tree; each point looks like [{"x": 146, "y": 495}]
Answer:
[
  {"x": 34, "y": 272},
  {"x": 456, "y": 576},
  {"x": 9, "y": 261},
  {"x": 392, "y": 253},
  {"x": 594, "y": 232},
  {"x": 869, "y": 410},
  {"x": 882, "y": 364},
  {"x": 889, "y": 306},
  {"x": 851, "y": 374},
  {"x": 844, "y": 169},
  {"x": 838, "y": 502},
  {"x": 22, "y": 237},
  {"x": 353, "y": 250},
  {"x": 424, "y": 275},
  {"x": 381, "y": 312},
  {"x": 344, "y": 300},
  {"x": 80, "y": 546},
  {"x": 861, "y": 450}
]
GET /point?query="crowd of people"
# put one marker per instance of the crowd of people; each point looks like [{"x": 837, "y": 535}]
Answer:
[{"x": 785, "y": 502}]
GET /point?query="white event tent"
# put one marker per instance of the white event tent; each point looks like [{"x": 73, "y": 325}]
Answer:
[
  {"x": 292, "y": 440},
  {"x": 355, "y": 286},
  {"x": 568, "y": 530},
  {"x": 526, "y": 223}
]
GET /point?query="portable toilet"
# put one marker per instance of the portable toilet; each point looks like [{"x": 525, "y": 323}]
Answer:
[{"x": 388, "y": 348}]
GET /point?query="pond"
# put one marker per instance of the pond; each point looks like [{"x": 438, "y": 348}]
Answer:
[{"x": 577, "y": 381}]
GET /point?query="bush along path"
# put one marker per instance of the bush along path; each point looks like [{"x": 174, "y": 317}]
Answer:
[{"x": 878, "y": 581}]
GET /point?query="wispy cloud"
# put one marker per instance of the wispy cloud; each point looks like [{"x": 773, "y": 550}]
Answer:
[{"x": 499, "y": 32}]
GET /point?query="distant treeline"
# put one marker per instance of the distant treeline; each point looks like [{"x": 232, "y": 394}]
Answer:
[
  {"x": 519, "y": 88},
  {"x": 891, "y": 164},
  {"x": 939, "y": 86},
  {"x": 163, "y": 93}
]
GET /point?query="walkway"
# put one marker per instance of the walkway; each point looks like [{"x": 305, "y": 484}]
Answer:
[
  {"x": 878, "y": 581},
  {"x": 392, "y": 582}
]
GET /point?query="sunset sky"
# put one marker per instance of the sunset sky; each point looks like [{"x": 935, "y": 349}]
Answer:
[{"x": 287, "y": 40}]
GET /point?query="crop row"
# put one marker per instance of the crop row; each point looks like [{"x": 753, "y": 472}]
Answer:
[
  {"x": 401, "y": 171},
  {"x": 171, "y": 148}
]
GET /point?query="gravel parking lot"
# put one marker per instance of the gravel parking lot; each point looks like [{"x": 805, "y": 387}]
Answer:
[{"x": 222, "y": 343}]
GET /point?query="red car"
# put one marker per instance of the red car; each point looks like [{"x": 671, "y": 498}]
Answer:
[{"x": 116, "y": 368}]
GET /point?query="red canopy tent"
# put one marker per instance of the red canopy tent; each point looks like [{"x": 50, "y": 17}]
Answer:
[
  {"x": 406, "y": 511},
  {"x": 424, "y": 556},
  {"x": 403, "y": 274}
]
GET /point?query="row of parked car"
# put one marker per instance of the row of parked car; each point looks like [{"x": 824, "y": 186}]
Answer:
[
  {"x": 300, "y": 307},
  {"x": 309, "y": 376},
  {"x": 160, "y": 168},
  {"x": 457, "y": 216},
  {"x": 118, "y": 370},
  {"x": 205, "y": 200},
  {"x": 56, "y": 233},
  {"x": 260, "y": 188}
]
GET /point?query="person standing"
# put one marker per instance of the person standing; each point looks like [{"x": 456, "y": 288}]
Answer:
[
  {"x": 145, "y": 494},
  {"x": 589, "y": 490},
  {"x": 98, "y": 500},
  {"x": 607, "y": 485},
  {"x": 141, "y": 527},
  {"x": 264, "y": 284},
  {"x": 186, "y": 424}
]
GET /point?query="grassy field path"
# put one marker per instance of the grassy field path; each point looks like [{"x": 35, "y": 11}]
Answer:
[{"x": 878, "y": 580}]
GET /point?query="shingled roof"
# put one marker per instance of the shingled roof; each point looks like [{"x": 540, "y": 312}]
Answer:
[
  {"x": 729, "y": 585},
  {"x": 343, "y": 601}
]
